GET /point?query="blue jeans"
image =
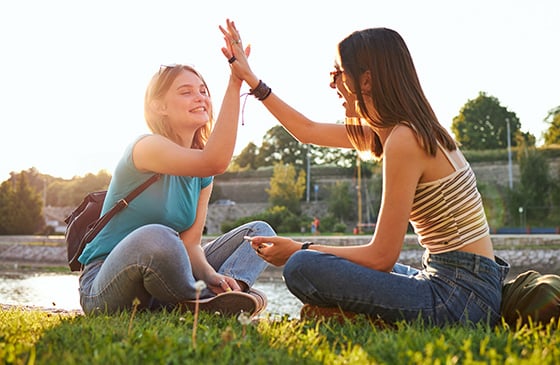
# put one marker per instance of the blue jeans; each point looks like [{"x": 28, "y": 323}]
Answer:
[
  {"x": 453, "y": 287},
  {"x": 152, "y": 264}
]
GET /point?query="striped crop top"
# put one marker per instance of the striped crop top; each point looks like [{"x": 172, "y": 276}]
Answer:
[{"x": 447, "y": 214}]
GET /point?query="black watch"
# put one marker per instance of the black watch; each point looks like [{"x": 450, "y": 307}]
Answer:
[{"x": 306, "y": 245}]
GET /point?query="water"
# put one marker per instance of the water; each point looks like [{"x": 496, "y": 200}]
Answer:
[{"x": 61, "y": 291}]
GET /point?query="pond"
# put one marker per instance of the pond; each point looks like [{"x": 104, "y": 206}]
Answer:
[{"x": 60, "y": 291}]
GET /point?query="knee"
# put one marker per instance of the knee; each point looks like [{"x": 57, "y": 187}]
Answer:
[
  {"x": 155, "y": 232},
  {"x": 156, "y": 239},
  {"x": 295, "y": 266},
  {"x": 261, "y": 228}
]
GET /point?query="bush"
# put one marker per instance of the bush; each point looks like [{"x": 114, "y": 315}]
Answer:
[
  {"x": 279, "y": 218},
  {"x": 339, "y": 227}
]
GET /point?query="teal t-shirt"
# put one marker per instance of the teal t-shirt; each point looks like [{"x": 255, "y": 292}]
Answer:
[{"x": 171, "y": 201}]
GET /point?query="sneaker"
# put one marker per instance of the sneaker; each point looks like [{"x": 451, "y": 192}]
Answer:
[
  {"x": 261, "y": 299},
  {"x": 228, "y": 304}
]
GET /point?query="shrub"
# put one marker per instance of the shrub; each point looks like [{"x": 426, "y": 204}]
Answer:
[{"x": 280, "y": 218}]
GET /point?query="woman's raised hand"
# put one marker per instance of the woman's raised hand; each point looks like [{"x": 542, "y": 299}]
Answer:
[{"x": 234, "y": 52}]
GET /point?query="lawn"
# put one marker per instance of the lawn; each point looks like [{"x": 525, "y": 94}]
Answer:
[{"x": 38, "y": 337}]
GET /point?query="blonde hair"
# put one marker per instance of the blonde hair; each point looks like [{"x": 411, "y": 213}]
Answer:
[
  {"x": 395, "y": 90},
  {"x": 157, "y": 88}
]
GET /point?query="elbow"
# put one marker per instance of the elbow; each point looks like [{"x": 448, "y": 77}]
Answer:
[
  {"x": 380, "y": 265},
  {"x": 386, "y": 267},
  {"x": 383, "y": 261},
  {"x": 216, "y": 169}
]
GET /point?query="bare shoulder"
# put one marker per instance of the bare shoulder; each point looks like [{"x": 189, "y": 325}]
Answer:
[{"x": 402, "y": 142}]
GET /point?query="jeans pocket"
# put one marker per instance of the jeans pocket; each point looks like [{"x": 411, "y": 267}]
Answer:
[{"x": 477, "y": 310}]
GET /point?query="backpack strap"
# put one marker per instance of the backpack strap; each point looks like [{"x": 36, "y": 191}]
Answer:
[{"x": 120, "y": 205}]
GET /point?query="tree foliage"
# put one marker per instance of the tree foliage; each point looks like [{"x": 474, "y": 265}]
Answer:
[
  {"x": 20, "y": 207},
  {"x": 482, "y": 124},
  {"x": 552, "y": 134},
  {"x": 286, "y": 189},
  {"x": 62, "y": 192},
  {"x": 279, "y": 145},
  {"x": 533, "y": 192},
  {"x": 340, "y": 202},
  {"x": 247, "y": 159}
]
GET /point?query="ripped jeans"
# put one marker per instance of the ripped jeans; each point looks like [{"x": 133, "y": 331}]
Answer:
[{"x": 152, "y": 264}]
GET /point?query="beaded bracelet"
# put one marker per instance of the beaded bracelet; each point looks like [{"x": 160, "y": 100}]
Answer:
[{"x": 261, "y": 92}]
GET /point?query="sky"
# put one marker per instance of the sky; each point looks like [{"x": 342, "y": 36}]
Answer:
[{"x": 73, "y": 73}]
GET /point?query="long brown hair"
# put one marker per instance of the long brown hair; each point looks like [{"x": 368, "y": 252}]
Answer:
[
  {"x": 395, "y": 89},
  {"x": 157, "y": 88}
]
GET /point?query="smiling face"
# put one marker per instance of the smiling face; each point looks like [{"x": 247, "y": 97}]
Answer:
[
  {"x": 187, "y": 102},
  {"x": 343, "y": 86},
  {"x": 177, "y": 105}
]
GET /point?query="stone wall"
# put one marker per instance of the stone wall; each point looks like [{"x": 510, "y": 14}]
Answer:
[
  {"x": 523, "y": 252},
  {"x": 251, "y": 196},
  {"x": 253, "y": 190}
]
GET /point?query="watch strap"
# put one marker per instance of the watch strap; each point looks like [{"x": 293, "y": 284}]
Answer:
[{"x": 306, "y": 245}]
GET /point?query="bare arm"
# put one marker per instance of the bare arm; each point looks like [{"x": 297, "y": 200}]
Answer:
[
  {"x": 192, "y": 239},
  {"x": 403, "y": 165},
  {"x": 159, "y": 154},
  {"x": 301, "y": 127}
]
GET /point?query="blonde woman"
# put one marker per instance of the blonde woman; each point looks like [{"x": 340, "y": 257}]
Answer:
[{"x": 151, "y": 251}]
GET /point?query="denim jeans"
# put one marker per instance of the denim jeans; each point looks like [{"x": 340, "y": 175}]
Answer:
[
  {"x": 152, "y": 264},
  {"x": 453, "y": 287}
]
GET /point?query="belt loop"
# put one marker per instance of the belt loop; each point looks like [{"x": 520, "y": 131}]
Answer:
[{"x": 476, "y": 263}]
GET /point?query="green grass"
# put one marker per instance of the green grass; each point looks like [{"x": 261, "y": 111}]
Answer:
[{"x": 34, "y": 337}]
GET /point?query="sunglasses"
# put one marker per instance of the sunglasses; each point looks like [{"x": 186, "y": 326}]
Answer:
[
  {"x": 335, "y": 74},
  {"x": 163, "y": 68}
]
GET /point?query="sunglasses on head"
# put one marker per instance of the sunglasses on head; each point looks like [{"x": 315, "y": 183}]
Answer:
[{"x": 163, "y": 68}]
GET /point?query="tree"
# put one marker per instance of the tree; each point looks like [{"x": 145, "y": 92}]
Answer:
[
  {"x": 340, "y": 202},
  {"x": 6, "y": 201},
  {"x": 534, "y": 191},
  {"x": 482, "y": 124},
  {"x": 61, "y": 192},
  {"x": 552, "y": 134},
  {"x": 247, "y": 158},
  {"x": 21, "y": 207},
  {"x": 285, "y": 188},
  {"x": 279, "y": 145},
  {"x": 333, "y": 156}
]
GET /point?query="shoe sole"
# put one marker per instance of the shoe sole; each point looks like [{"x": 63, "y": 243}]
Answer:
[
  {"x": 228, "y": 304},
  {"x": 261, "y": 299}
]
